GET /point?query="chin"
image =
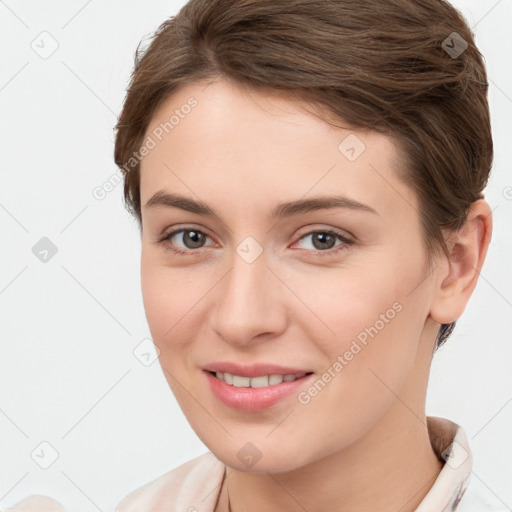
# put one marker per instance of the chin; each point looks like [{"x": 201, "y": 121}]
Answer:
[{"x": 259, "y": 456}]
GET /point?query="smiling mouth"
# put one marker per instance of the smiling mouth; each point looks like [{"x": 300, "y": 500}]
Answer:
[{"x": 257, "y": 382}]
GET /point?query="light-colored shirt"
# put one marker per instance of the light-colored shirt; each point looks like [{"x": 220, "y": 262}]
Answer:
[{"x": 195, "y": 485}]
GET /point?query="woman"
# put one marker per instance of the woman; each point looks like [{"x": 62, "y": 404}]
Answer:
[{"x": 307, "y": 177}]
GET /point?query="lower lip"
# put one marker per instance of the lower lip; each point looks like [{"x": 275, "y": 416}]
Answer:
[{"x": 253, "y": 399}]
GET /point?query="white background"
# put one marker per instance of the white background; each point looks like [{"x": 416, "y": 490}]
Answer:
[{"x": 69, "y": 326}]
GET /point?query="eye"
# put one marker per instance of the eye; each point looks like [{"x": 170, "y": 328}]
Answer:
[
  {"x": 195, "y": 238},
  {"x": 323, "y": 240},
  {"x": 191, "y": 236}
]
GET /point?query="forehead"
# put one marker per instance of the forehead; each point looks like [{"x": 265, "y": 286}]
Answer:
[{"x": 249, "y": 146}]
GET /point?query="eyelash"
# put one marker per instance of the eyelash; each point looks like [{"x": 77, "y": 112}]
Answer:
[{"x": 346, "y": 241}]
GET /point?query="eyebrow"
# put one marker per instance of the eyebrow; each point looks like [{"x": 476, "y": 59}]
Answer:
[{"x": 288, "y": 209}]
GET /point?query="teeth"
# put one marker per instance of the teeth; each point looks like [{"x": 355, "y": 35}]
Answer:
[
  {"x": 256, "y": 382},
  {"x": 241, "y": 382},
  {"x": 275, "y": 379},
  {"x": 259, "y": 382}
]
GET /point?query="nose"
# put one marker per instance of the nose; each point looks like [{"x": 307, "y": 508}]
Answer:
[{"x": 249, "y": 303}]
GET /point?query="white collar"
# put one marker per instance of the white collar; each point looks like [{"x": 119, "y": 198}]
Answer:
[{"x": 450, "y": 444}]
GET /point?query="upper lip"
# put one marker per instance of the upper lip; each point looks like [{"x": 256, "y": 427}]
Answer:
[{"x": 253, "y": 369}]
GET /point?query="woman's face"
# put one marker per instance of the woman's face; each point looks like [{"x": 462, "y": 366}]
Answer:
[{"x": 251, "y": 287}]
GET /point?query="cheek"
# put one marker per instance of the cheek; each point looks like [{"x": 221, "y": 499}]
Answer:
[
  {"x": 368, "y": 317},
  {"x": 166, "y": 299},
  {"x": 346, "y": 304},
  {"x": 174, "y": 303},
  {"x": 159, "y": 304},
  {"x": 169, "y": 312},
  {"x": 375, "y": 297},
  {"x": 375, "y": 323}
]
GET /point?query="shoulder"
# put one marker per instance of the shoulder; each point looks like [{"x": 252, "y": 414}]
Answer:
[
  {"x": 36, "y": 503},
  {"x": 478, "y": 498},
  {"x": 191, "y": 487}
]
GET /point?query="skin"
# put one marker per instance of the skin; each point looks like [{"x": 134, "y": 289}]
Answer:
[{"x": 242, "y": 153}]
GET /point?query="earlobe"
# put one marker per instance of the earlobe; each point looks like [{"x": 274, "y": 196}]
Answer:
[{"x": 467, "y": 251}]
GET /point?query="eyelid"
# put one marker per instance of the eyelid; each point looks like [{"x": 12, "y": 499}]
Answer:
[
  {"x": 323, "y": 229},
  {"x": 187, "y": 227}
]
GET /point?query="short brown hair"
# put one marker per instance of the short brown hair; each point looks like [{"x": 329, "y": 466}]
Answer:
[{"x": 406, "y": 68}]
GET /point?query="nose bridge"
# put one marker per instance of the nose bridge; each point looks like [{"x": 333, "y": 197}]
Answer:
[
  {"x": 246, "y": 305},
  {"x": 247, "y": 283}
]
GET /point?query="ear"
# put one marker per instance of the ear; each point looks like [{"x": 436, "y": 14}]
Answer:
[{"x": 459, "y": 273}]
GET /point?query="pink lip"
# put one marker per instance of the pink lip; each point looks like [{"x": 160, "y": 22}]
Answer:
[
  {"x": 254, "y": 399},
  {"x": 253, "y": 370}
]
